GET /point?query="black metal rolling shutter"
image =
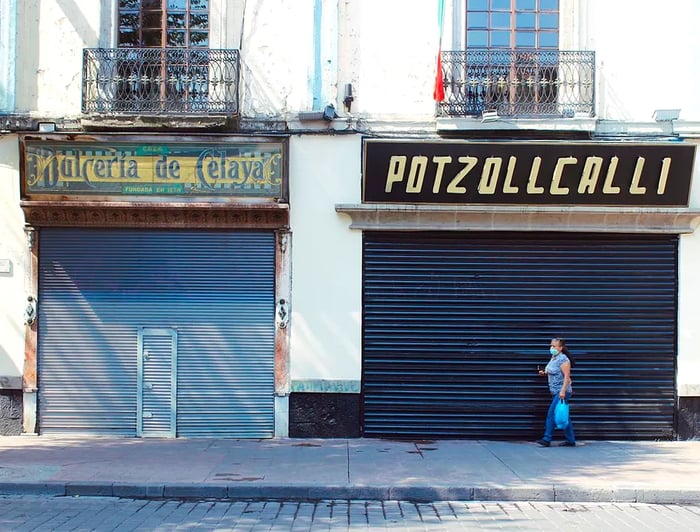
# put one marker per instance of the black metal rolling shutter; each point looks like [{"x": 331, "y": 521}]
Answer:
[
  {"x": 455, "y": 325},
  {"x": 97, "y": 287}
]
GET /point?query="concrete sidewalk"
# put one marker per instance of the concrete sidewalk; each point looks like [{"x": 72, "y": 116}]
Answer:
[{"x": 369, "y": 469}]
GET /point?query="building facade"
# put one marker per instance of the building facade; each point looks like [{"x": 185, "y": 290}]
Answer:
[{"x": 369, "y": 222}]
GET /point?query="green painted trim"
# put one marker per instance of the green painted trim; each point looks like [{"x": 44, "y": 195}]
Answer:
[{"x": 323, "y": 385}]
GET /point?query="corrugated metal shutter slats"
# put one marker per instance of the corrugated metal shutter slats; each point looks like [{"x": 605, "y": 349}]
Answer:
[
  {"x": 455, "y": 325},
  {"x": 157, "y": 369},
  {"x": 216, "y": 288}
]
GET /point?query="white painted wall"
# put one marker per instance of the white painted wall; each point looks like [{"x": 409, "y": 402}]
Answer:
[
  {"x": 688, "y": 371},
  {"x": 276, "y": 57},
  {"x": 646, "y": 57},
  {"x": 50, "y": 42},
  {"x": 12, "y": 246},
  {"x": 688, "y": 376},
  {"x": 388, "y": 51},
  {"x": 326, "y": 259}
]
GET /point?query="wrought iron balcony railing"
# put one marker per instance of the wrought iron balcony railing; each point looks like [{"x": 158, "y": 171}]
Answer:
[
  {"x": 518, "y": 83},
  {"x": 160, "y": 81}
]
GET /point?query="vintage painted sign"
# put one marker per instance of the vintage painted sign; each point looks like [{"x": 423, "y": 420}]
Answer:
[
  {"x": 170, "y": 169},
  {"x": 528, "y": 173}
]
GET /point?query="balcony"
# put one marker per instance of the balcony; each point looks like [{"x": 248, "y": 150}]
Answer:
[
  {"x": 160, "y": 82},
  {"x": 518, "y": 83}
]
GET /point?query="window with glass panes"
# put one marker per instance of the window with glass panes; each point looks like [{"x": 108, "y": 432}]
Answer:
[
  {"x": 513, "y": 24},
  {"x": 171, "y": 70},
  {"x": 163, "y": 24}
]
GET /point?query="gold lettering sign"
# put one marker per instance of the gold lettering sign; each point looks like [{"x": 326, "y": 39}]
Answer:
[
  {"x": 188, "y": 169},
  {"x": 572, "y": 173}
]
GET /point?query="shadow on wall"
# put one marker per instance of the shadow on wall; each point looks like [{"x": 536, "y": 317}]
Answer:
[
  {"x": 10, "y": 374},
  {"x": 29, "y": 16},
  {"x": 78, "y": 22}
]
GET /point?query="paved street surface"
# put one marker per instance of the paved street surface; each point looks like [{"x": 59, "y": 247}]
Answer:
[
  {"x": 36, "y": 513},
  {"x": 351, "y": 469}
]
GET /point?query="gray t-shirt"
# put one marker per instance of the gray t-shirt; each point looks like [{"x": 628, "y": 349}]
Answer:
[{"x": 555, "y": 377}]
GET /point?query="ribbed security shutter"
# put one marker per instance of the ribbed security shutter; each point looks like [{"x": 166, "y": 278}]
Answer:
[
  {"x": 157, "y": 383},
  {"x": 216, "y": 289},
  {"x": 456, "y": 324}
]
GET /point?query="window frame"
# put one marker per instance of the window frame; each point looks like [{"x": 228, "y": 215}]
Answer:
[
  {"x": 495, "y": 32},
  {"x": 169, "y": 12},
  {"x": 513, "y": 77},
  {"x": 165, "y": 71}
]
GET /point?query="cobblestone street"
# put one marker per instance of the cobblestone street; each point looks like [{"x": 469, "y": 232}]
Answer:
[{"x": 36, "y": 513}]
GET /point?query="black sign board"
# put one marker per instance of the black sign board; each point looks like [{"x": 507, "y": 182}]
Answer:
[{"x": 527, "y": 173}]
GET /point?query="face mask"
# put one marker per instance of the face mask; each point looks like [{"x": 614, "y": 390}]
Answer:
[{"x": 553, "y": 350}]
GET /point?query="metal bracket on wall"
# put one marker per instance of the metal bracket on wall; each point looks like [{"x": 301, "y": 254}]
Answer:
[
  {"x": 283, "y": 313},
  {"x": 30, "y": 234},
  {"x": 283, "y": 240}
]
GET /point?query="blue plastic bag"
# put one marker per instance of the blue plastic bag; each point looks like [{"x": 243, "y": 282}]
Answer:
[{"x": 561, "y": 414}]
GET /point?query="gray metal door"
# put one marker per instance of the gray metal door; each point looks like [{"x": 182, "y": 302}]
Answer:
[
  {"x": 157, "y": 382},
  {"x": 98, "y": 288},
  {"x": 454, "y": 326}
]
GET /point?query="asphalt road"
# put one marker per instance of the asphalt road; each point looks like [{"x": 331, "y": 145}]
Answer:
[{"x": 42, "y": 513}]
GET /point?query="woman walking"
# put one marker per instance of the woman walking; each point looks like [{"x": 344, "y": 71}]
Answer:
[{"x": 558, "y": 372}]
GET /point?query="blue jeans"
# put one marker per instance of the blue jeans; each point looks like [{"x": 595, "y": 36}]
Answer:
[{"x": 549, "y": 423}]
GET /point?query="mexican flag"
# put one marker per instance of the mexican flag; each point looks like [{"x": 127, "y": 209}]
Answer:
[{"x": 439, "y": 90}]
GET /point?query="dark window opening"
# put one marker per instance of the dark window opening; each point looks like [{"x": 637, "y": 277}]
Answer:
[{"x": 164, "y": 74}]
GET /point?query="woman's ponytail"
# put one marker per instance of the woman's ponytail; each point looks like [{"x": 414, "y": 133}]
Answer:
[{"x": 565, "y": 350}]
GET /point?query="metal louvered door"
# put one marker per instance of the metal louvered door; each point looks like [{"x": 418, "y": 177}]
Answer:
[
  {"x": 455, "y": 325},
  {"x": 99, "y": 288},
  {"x": 156, "y": 395}
]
